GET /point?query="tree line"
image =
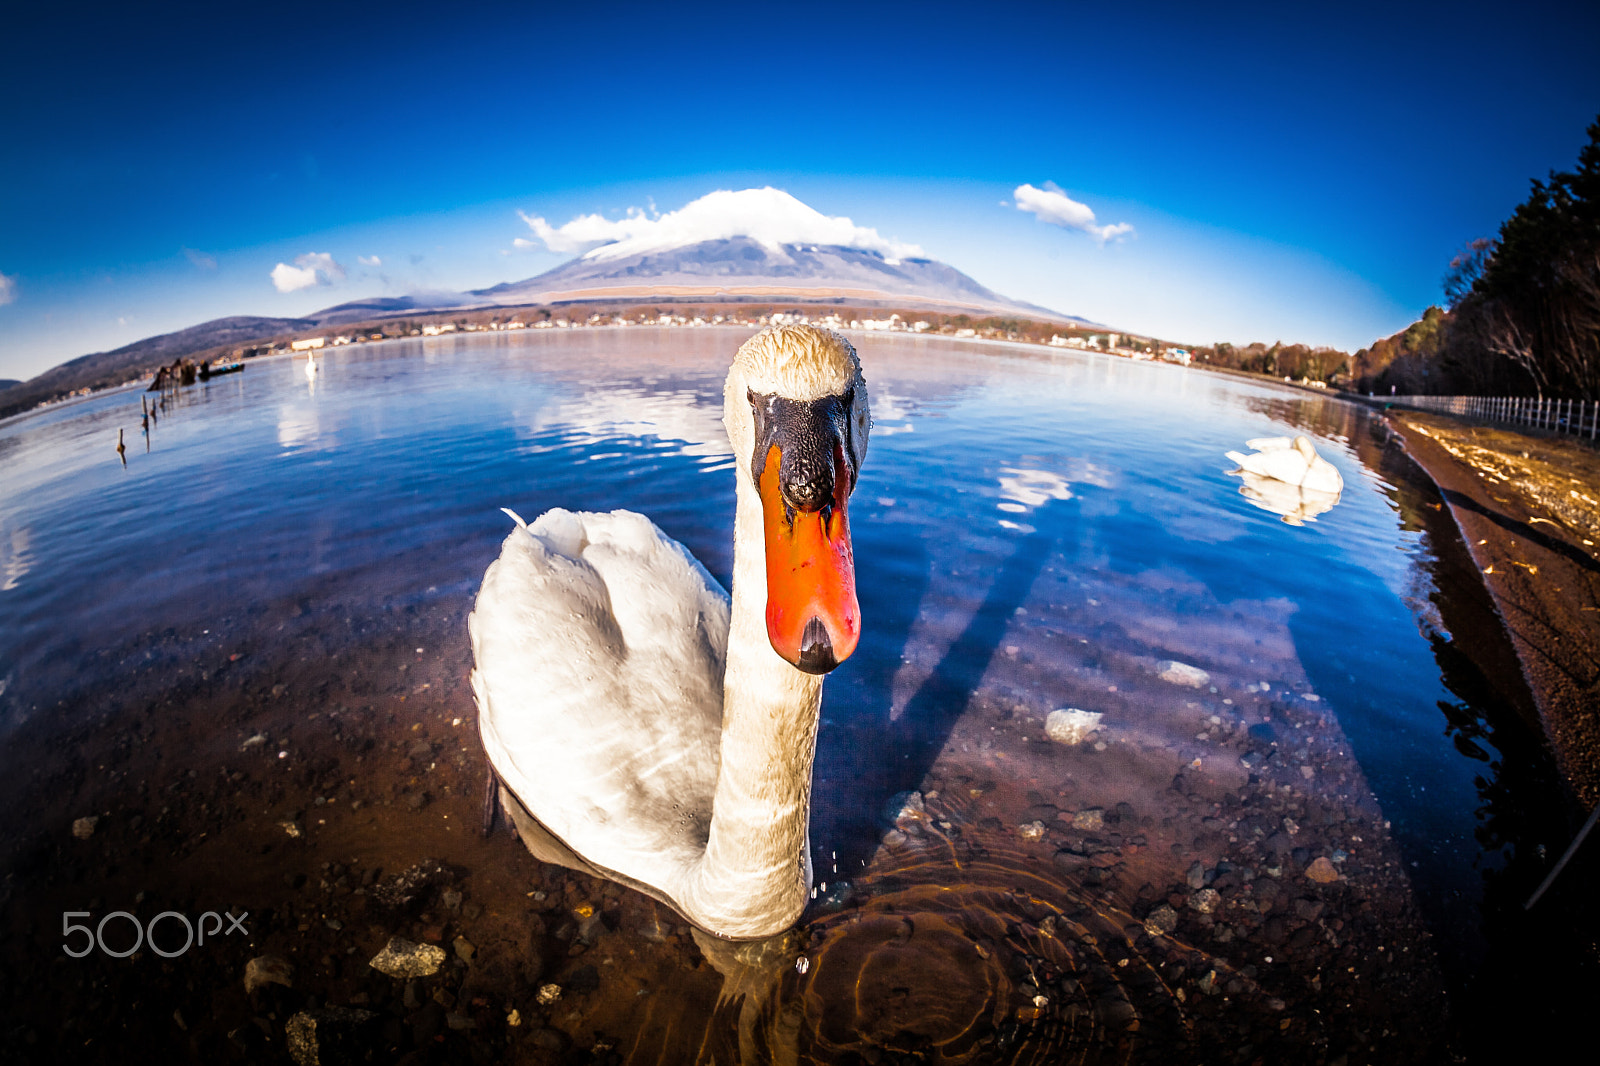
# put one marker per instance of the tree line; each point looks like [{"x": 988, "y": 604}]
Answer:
[{"x": 1522, "y": 309}]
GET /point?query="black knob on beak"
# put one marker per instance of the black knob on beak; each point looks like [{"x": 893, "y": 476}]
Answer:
[{"x": 816, "y": 649}]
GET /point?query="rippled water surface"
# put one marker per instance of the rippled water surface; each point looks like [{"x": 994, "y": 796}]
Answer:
[{"x": 1034, "y": 532}]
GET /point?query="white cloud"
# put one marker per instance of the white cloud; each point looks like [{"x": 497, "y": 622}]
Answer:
[
  {"x": 313, "y": 268},
  {"x": 8, "y": 290},
  {"x": 369, "y": 260},
  {"x": 201, "y": 259},
  {"x": 1051, "y": 205},
  {"x": 769, "y": 216}
]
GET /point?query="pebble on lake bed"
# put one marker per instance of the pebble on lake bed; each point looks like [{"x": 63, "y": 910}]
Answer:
[
  {"x": 267, "y": 970},
  {"x": 328, "y": 1035},
  {"x": 1161, "y": 921},
  {"x": 1182, "y": 674},
  {"x": 905, "y": 810},
  {"x": 1071, "y": 726},
  {"x": 548, "y": 994},
  {"x": 1321, "y": 870},
  {"x": 83, "y": 828},
  {"x": 401, "y": 958}
]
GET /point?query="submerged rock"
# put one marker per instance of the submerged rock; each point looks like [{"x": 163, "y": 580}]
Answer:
[
  {"x": 1162, "y": 920},
  {"x": 1071, "y": 726},
  {"x": 329, "y": 1036},
  {"x": 267, "y": 969},
  {"x": 83, "y": 828},
  {"x": 1182, "y": 674},
  {"x": 1089, "y": 820},
  {"x": 905, "y": 809},
  {"x": 407, "y": 887},
  {"x": 401, "y": 958}
]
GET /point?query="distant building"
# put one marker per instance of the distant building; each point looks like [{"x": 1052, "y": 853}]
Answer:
[{"x": 308, "y": 344}]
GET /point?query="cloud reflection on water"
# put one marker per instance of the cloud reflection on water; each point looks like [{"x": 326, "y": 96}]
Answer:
[
  {"x": 16, "y": 558},
  {"x": 601, "y": 416}
]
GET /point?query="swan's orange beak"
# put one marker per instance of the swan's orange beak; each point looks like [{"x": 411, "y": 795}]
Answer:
[{"x": 813, "y": 619}]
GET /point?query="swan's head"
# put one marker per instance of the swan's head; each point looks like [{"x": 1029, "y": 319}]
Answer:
[{"x": 797, "y": 416}]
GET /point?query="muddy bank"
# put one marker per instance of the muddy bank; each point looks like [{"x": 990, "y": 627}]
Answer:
[{"x": 1529, "y": 513}]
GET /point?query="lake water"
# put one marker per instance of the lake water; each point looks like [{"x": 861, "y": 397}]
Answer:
[{"x": 1034, "y": 531}]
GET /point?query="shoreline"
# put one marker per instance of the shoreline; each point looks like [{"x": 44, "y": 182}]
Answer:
[{"x": 1522, "y": 506}]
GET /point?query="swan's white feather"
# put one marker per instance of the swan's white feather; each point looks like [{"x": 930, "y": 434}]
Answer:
[
  {"x": 1292, "y": 462},
  {"x": 600, "y": 645}
]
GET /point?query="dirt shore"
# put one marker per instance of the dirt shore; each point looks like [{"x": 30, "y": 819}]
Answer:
[{"x": 1528, "y": 508}]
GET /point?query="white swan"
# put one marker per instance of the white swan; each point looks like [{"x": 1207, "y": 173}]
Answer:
[
  {"x": 1296, "y": 463},
  {"x": 311, "y": 366},
  {"x": 1288, "y": 478},
  {"x": 643, "y": 727}
]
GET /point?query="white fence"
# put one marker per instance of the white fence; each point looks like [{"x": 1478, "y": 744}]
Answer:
[{"x": 1578, "y": 417}]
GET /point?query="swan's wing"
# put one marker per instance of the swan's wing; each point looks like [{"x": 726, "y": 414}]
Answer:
[
  {"x": 600, "y": 645},
  {"x": 1283, "y": 464},
  {"x": 1269, "y": 444},
  {"x": 1323, "y": 476}
]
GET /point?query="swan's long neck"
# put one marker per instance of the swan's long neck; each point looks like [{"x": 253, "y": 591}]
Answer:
[{"x": 755, "y": 875}]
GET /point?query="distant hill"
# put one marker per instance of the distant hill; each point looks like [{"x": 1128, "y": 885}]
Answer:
[
  {"x": 104, "y": 369},
  {"x": 392, "y": 306}
]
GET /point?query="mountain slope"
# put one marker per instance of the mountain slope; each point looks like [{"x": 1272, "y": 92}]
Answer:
[{"x": 741, "y": 266}]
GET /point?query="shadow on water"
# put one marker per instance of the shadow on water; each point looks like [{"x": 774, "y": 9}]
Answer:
[
  {"x": 852, "y": 758},
  {"x": 1536, "y": 965}
]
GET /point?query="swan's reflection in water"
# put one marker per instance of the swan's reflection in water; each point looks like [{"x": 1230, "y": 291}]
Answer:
[
  {"x": 956, "y": 952},
  {"x": 1296, "y": 504}
]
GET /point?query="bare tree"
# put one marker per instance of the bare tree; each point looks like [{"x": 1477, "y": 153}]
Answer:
[{"x": 1506, "y": 338}]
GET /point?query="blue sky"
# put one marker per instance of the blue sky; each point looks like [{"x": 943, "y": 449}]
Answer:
[{"x": 1301, "y": 174}]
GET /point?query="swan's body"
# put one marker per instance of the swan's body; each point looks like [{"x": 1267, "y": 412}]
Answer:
[
  {"x": 1288, "y": 478},
  {"x": 311, "y": 366},
  {"x": 641, "y": 721},
  {"x": 1295, "y": 463}
]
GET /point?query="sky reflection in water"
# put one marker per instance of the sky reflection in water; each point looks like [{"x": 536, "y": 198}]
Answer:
[{"x": 1034, "y": 531}]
